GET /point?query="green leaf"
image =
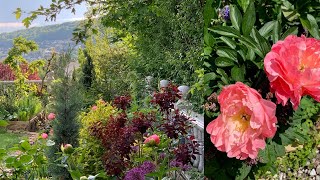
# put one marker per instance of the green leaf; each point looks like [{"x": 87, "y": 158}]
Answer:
[
  {"x": 266, "y": 29},
  {"x": 229, "y": 53},
  {"x": 279, "y": 149},
  {"x": 25, "y": 145},
  {"x": 249, "y": 18},
  {"x": 244, "y": 4},
  {"x": 314, "y": 28},
  {"x": 26, "y": 22},
  {"x": 251, "y": 44},
  {"x": 25, "y": 159},
  {"x": 3, "y": 123},
  {"x": 291, "y": 30},
  {"x": 209, "y": 12},
  {"x": 209, "y": 76},
  {"x": 276, "y": 32},
  {"x": 261, "y": 41},
  {"x": 224, "y": 76},
  {"x": 238, "y": 73},
  {"x": 289, "y": 11},
  {"x": 207, "y": 51},
  {"x": 10, "y": 160},
  {"x": 18, "y": 13},
  {"x": 206, "y": 64},
  {"x": 224, "y": 62},
  {"x": 209, "y": 39},
  {"x": 75, "y": 174},
  {"x": 225, "y": 31},
  {"x": 230, "y": 42},
  {"x": 243, "y": 171},
  {"x": 251, "y": 55},
  {"x": 235, "y": 17}
]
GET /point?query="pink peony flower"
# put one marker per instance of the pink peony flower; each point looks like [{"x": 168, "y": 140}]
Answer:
[
  {"x": 94, "y": 108},
  {"x": 244, "y": 123},
  {"x": 44, "y": 135},
  {"x": 51, "y": 116},
  {"x": 293, "y": 69},
  {"x": 152, "y": 140}
]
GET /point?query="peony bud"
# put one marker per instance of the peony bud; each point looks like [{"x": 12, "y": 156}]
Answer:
[
  {"x": 44, "y": 135},
  {"x": 51, "y": 116},
  {"x": 67, "y": 149},
  {"x": 153, "y": 140}
]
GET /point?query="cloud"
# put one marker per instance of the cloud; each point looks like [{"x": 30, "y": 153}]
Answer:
[
  {"x": 70, "y": 19},
  {"x": 11, "y": 24}
]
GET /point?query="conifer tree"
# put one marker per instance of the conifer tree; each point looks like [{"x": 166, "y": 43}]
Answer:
[{"x": 67, "y": 98}]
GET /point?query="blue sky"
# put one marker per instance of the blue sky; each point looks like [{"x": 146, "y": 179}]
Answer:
[{"x": 9, "y": 23}]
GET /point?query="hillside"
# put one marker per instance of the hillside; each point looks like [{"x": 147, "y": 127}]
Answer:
[{"x": 47, "y": 37}]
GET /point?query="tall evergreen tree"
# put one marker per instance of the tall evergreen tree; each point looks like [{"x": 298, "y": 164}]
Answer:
[
  {"x": 67, "y": 98},
  {"x": 87, "y": 70}
]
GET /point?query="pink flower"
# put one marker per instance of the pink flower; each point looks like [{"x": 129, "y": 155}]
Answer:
[
  {"x": 152, "y": 140},
  {"x": 293, "y": 69},
  {"x": 244, "y": 123},
  {"x": 44, "y": 135},
  {"x": 94, "y": 108},
  {"x": 51, "y": 116}
]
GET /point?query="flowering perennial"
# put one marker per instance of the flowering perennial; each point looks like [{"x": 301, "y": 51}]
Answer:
[
  {"x": 293, "y": 69},
  {"x": 244, "y": 123}
]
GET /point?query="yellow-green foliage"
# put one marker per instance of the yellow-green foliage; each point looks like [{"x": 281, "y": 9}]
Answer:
[
  {"x": 101, "y": 113},
  {"x": 92, "y": 149}
]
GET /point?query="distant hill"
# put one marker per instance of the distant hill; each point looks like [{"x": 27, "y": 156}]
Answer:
[{"x": 57, "y": 36}]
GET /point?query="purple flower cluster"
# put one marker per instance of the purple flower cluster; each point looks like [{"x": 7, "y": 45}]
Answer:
[
  {"x": 138, "y": 173},
  {"x": 183, "y": 167},
  {"x": 225, "y": 13}
]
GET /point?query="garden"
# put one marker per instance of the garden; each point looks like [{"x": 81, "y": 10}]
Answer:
[
  {"x": 125, "y": 105},
  {"x": 166, "y": 89},
  {"x": 262, "y": 89}
]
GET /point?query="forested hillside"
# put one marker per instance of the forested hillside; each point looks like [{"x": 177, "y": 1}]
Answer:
[{"x": 47, "y": 37}]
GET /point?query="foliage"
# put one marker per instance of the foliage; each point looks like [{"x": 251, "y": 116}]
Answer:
[
  {"x": 90, "y": 147},
  {"x": 28, "y": 106},
  {"x": 165, "y": 35},
  {"x": 121, "y": 136},
  {"x": 26, "y": 161},
  {"x": 74, "y": 164},
  {"x": 235, "y": 46},
  {"x": 8, "y": 100},
  {"x": 67, "y": 102},
  {"x": 15, "y": 60},
  {"x": 6, "y": 73},
  {"x": 87, "y": 68},
  {"x": 109, "y": 66}
]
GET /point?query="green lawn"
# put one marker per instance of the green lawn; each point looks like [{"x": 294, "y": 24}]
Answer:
[{"x": 8, "y": 139}]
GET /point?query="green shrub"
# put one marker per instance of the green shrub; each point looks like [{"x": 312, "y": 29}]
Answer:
[
  {"x": 91, "y": 148},
  {"x": 28, "y": 106}
]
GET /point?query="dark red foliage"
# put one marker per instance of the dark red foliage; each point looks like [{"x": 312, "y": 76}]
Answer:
[
  {"x": 122, "y": 102},
  {"x": 116, "y": 139},
  {"x": 185, "y": 152},
  {"x": 6, "y": 73},
  {"x": 142, "y": 121},
  {"x": 166, "y": 98},
  {"x": 176, "y": 125}
]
